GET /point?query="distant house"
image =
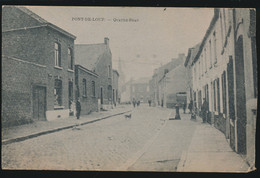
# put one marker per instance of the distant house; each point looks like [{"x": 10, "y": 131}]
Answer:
[
  {"x": 98, "y": 59},
  {"x": 85, "y": 81},
  {"x": 159, "y": 73},
  {"x": 188, "y": 65},
  {"x": 140, "y": 90},
  {"x": 116, "y": 97},
  {"x": 37, "y": 68},
  {"x": 172, "y": 85}
]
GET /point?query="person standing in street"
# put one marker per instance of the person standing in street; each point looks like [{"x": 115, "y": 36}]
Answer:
[
  {"x": 204, "y": 110},
  {"x": 78, "y": 108},
  {"x": 184, "y": 107},
  {"x": 190, "y": 106}
]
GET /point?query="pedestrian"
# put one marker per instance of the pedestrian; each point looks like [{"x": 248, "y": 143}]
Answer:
[
  {"x": 78, "y": 108},
  {"x": 134, "y": 102},
  {"x": 184, "y": 107},
  {"x": 204, "y": 110},
  {"x": 190, "y": 106},
  {"x": 149, "y": 101},
  {"x": 138, "y": 103}
]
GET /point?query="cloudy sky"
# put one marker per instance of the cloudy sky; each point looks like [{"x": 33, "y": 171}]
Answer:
[{"x": 154, "y": 37}]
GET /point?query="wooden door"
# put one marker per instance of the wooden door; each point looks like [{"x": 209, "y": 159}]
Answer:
[{"x": 39, "y": 103}]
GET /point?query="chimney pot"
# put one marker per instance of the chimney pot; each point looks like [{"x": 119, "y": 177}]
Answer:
[{"x": 106, "y": 40}]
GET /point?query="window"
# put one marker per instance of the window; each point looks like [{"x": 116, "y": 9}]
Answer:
[
  {"x": 109, "y": 71},
  {"x": 84, "y": 89},
  {"x": 70, "y": 93},
  {"x": 205, "y": 59},
  {"x": 202, "y": 64},
  {"x": 215, "y": 47},
  {"x": 210, "y": 53},
  {"x": 93, "y": 89},
  {"x": 221, "y": 27},
  {"x": 224, "y": 95},
  {"x": 218, "y": 96},
  {"x": 57, "y": 53},
  {"x": 70, "y": 59},
  {"x": 57, "y": 92},
  {"x": 199, "y": 70}
]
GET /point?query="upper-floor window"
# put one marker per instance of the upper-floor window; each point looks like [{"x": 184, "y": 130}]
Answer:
[
  {"x": 109, "y": 71},
  {"x": 205, "y": 60},
  {"x": 93, "y": 89},
  {"x": 202, "y": 64},
  {"x": 70, "y": 59},
  {"x": 57, "y": 53},
  {"x": 84, "y": 89},
  {"x": 215, "y": 47},
  {"x": 210, "y": 53}
]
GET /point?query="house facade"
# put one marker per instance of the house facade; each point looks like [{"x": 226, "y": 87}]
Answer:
[
  {"x": 98, "y": 59},
  {"x": 116, "y": 94},
  {"x": 86, "y": 87},
  {"x": 173, "y": 87},
  {"x": 224, "y": 72},
  {"x": 42, "y": 52},
  {"x": 157, "y": 92},
  {"x": 187, "y": 64}
]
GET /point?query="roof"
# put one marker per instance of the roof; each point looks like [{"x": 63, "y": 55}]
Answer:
[
  {"x": 43, "y": 21},
  {"x": 88, "y": 55},
  {"x": 212, "y": 23},
  {"x": 86, "y": 70},
  {"x": 192, "y": 53}
]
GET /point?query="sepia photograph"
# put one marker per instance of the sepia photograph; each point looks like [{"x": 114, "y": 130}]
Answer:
[{"x": 141, "y": 89}]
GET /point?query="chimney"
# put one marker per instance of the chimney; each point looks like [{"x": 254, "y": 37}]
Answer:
[{"x": 106, "y": 40}]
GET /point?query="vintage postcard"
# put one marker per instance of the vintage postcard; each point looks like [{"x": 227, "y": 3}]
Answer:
[{"x": 128, "y": 89}]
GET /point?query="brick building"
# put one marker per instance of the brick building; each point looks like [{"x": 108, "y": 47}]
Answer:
[
  {"x": 98, "y": 59},
  {"x": 224, "y": 72},
  {"x": 86, "y": 90},
  {"x": 40, "y": 82}
]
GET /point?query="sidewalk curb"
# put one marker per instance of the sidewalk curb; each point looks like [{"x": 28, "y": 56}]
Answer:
[{"x": 19, "y": 139}]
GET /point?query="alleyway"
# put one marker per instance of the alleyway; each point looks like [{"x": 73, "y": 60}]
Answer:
[{"x": 149, "y": 141}]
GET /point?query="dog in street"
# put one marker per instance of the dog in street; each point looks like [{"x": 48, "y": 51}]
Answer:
[{"x": 128, "y": 116}]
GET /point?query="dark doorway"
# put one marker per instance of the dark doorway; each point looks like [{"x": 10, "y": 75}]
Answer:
[
  {"x": 101, "y": 95},
  {"x": 70, "y": 93},
  {"x": 240, "y": 96},
  {"x": 39, "y": 103},
  {"x": 231, "y": 101}
]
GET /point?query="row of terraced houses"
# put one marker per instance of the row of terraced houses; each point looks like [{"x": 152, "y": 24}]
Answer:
[
  {"x": 223, "y": 70},
  {"x": 44, "y": 72}
]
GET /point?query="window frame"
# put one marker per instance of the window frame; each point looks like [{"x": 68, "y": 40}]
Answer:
[{"x": 57, "y": 54}]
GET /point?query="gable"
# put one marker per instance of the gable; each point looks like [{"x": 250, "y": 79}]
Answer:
[
  {"x": 19, "y": 17},
  {"x": 88, "y": 55}
]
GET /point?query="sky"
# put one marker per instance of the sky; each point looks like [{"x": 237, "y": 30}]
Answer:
[{"x": 152, "y": 37}]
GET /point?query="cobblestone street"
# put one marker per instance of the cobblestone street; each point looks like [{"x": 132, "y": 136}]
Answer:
[{"x": 104, "y": 145}]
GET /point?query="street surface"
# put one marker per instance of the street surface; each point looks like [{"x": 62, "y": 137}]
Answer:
[{"x": 149, "y": 141}]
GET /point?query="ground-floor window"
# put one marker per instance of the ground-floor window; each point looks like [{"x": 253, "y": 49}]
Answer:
[
  {"x": 57, "y": 92},
  {"x": 84, "y": 87},
  {"x": 70, "y": 93},
  {"x": 224, "y": 93}
]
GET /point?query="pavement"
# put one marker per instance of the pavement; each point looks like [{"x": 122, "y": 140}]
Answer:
[
  {"x": 35, "y": 129},
  {"x": 209, "y": 151}
]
